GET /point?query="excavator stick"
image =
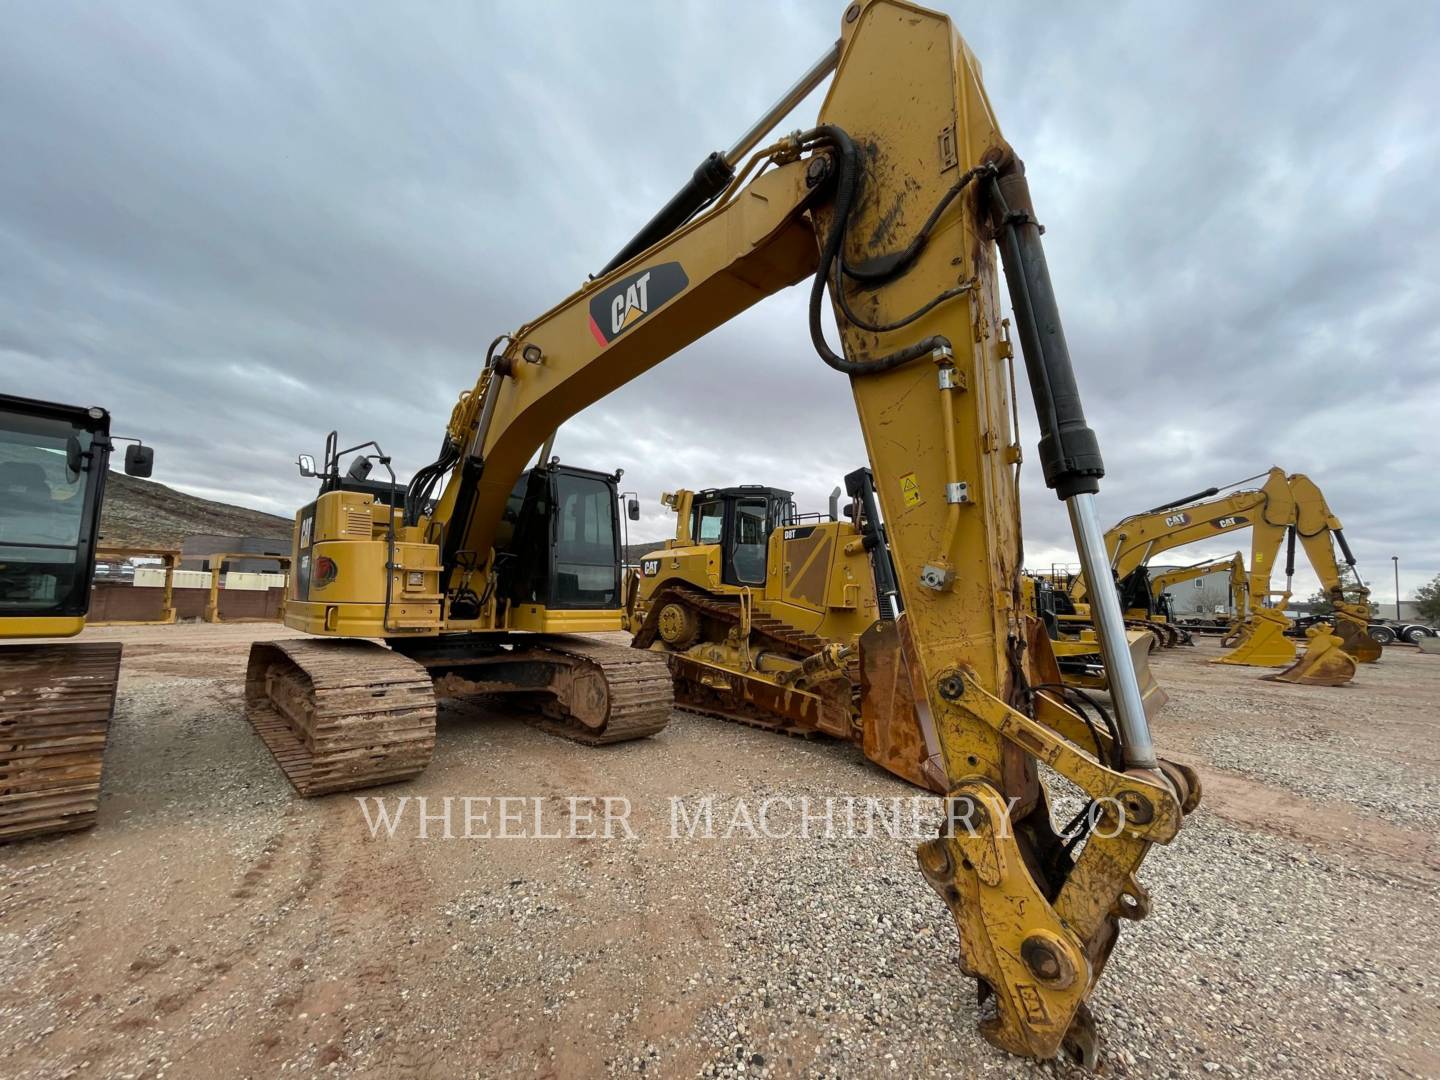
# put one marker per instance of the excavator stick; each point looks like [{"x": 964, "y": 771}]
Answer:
[
  {"x": 1264, "y": 645},
  {"x": 1323, "y": 663}
]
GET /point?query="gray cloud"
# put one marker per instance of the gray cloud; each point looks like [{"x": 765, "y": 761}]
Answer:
[{"x": 238, "y": 228}]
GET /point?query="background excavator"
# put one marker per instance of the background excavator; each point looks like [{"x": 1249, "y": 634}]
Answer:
[
  {"x": 895, "y": 202},
  {"x": 1162, "y": 582},
  {"x": 1282, "y": 505},
  {"x": 761, "y": 612},
  {"x": 57, "y": 697}
]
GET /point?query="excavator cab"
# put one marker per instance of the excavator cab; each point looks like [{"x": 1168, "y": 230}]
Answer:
[
  {"x": 560, "y": 542},
  {"x": 58, "y": 696},
  {"x": 52, "y": 479}
]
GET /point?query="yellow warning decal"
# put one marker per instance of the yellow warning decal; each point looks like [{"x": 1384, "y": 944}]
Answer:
[{"x": 910, "y": 490}]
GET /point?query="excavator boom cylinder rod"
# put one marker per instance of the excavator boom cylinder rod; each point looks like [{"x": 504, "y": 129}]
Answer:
[
  {"x": 813, "y": 77},
  {"x": 1110, "y": 629},
  {"x": 714, "y": 174}
]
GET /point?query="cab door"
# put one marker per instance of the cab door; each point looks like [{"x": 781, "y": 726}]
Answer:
[{"x": 747, "y": 541}]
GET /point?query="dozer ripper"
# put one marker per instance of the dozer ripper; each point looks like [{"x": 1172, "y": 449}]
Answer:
[
  {"x": 1283, "y": 505},
  {"x": 895, "y": 203},
  {"x": 56, "y": 698},
  {"x": 766, "y": 617}
]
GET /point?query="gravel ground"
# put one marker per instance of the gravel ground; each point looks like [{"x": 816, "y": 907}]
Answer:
[{"x": 213, "y": 924}]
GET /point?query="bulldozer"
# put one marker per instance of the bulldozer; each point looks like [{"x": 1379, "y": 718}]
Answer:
[
  {"x": 56, "y": 697},
  {"x": 1282, "y": 506},
  {"x": 483, "y": 573},
  {"x": 778, "y": 619}
]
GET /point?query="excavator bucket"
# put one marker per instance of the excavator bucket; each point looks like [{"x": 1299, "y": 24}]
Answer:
[
  {"x": 1355, "y": 639},
  {"x": 1324, "y": 662},
  {"x": 1264, "y": 645}
]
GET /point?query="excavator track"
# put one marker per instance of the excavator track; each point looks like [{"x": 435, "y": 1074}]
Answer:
[
  {"x": 581, "y": 689},
  {"x": 56, "y": 702},
  {"x": 340, "y": 714},
  {"x": 697, "y": 689},
  {"x": 641, "y": 693}
]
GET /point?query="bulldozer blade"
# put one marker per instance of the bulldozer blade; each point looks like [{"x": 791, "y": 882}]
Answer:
[
  {"x": 1265, "y": 645},
  {"x": 1323, "y": 663},
  {"x": 1355, "y": 639},
  {"x": 1093, "y": 676},
  {"x": 897, "y": 733},
  {"x": 1152, "y": 695}
]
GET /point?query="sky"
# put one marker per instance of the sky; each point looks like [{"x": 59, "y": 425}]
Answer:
[{"x": 240, "y": 226}]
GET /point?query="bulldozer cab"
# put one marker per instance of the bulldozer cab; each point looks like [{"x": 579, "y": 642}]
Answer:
[
  {"x": 560, "y": 542},
  {"x": 740, "y": 520},
  {"x": 53, "y": 460}
]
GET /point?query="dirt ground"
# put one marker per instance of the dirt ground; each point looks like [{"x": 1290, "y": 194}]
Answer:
[{"x": 213, "y": 924}]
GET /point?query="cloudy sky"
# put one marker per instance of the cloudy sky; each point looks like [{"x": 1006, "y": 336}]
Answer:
[{"x": 238, "y": 226}]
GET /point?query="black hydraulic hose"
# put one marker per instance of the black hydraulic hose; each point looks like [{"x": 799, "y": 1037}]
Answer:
[
  {"x": 845, "y": 189},
  {"x": 886, "y": 267},
  {"x": 1290, "y": 552}
]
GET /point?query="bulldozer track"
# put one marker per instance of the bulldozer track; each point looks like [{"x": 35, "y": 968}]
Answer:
[
  {"x": 340, "y": 714},
  {"x": 55, "y": 710},
  {"x": 766, "y": 633}
]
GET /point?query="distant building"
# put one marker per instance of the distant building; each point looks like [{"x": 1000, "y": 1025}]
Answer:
[
  {"x": 194, "y": 550},
  {"x": 1199, "y": 596}
]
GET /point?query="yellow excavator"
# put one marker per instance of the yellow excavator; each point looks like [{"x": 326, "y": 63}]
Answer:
[
  {"x": 1162, "y": 582},
  {"x": 56, "y": 698},
  {"x": 764, "y": 615},
  {"x": 1283, "y": 505},
  {"x": 483, "y": 575}
]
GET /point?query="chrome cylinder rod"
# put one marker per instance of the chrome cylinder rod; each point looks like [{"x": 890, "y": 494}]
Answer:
[
  {"x": 1109, "y": 623},
  {"x": 812, "y": 78}
]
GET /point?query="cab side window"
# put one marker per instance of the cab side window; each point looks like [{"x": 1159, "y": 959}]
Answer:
[{"x": 709, "y": 522}]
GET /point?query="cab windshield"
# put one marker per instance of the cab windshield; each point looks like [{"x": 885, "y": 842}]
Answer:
[{"x": 44, "y": 537}]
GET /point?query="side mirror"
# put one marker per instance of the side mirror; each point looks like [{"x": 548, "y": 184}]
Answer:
[
  {"x": 139, "y": 460},
  {"x": 632, "y": 509},
  {"x": 307, "y": 465},
  {"x": 74, "y": 459}
]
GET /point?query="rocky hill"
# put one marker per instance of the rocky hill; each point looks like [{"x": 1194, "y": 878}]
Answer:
[{"x": 143, "y": 513}]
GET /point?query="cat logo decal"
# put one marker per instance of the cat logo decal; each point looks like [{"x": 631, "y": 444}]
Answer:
[{"x": 618, "y": 307}]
